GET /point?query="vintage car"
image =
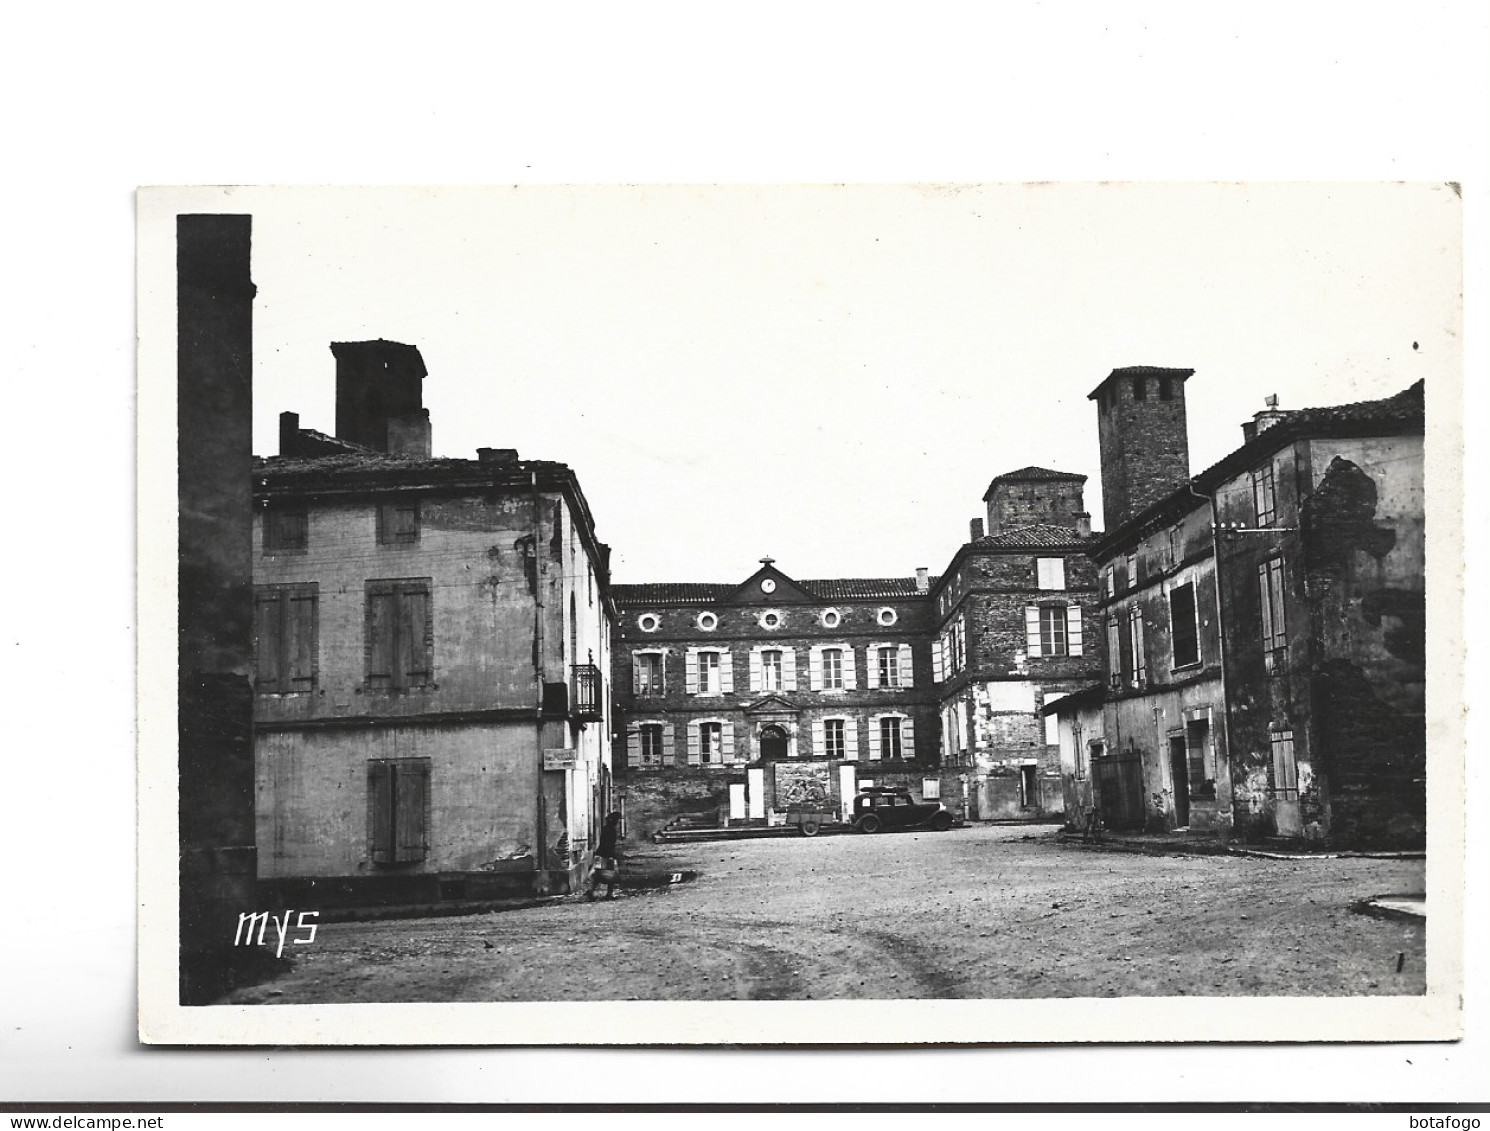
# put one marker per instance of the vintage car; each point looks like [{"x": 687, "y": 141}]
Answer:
[{"x": 887, "y": 807}]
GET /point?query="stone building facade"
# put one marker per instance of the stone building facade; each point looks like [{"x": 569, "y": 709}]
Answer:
[
  {"x": 432, "y": 636},
  {"x": 1015, "y": 621},
  {"x": 739, "y": 700},
  {"x": 1263, "y": 623}
]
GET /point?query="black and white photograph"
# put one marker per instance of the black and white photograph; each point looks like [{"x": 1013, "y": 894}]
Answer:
[{"x": 849, "y": 614}]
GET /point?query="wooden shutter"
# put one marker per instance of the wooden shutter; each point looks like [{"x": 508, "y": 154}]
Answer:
[
  {"x": 380, "y": 812},
  {"x": 788, "y": 669},
  {"x": 667, "y": 744},
  {"x": 907, "y": 672},
  {"x": 938, "y": 664},
  {"x": 755, "y": 669},
  {"x": 637, "y": 661},
  {"x": 300, "y": 651},
  {"x": 269, "y": 640},
  {"x": 380, "y": 633},
  {"x": 1032, "y": 630},
  {"x": 727, "y": 740},
  {"x": 815, "y": 667},
  {"x": 851, "y": 740},
  {"x": 693, "y": 745},
  {"x": 819, "y": 739},
  {"x": 871, "y": 667},
  {"x": 633, "y": 747},
  {"x": 850, "y": 669},
  {"x": 414, "y": 632},
  {"x": 690, "y": 672},
  {"x": 410, "y": 793},
  {"x": 1073, "y": 630},
  {"x": 908, "y": 737},
  {"x": 874, "y": 737},
  {"x": 726, "y": 673}
]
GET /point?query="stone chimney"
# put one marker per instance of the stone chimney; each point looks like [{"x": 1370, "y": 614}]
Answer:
[
  {"x": 975, "y": 529},
  {"x": 289, "y": 432},
  {"x": 1143, "y": 438},
  {"x": 923, "y": 579},
  {"x": 380, "y": 397},
  {"x": 1084, "y": 524}
]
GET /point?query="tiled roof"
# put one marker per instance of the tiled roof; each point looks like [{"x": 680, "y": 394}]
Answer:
[
  {"x": 831, "y": 589},
  {"x": 1142, "y": 371},
  {"x": 1039, "y": 534},
  {"x": 1039, "y": 475}
]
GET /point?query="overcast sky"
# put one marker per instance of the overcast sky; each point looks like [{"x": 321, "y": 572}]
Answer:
[{"x": 832, "y": 375}]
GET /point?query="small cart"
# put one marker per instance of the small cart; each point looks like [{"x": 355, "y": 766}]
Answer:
[{"x": 809, "y": 819}]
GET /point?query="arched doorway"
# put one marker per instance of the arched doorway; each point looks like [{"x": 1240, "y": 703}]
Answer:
[{"x": 773, "y": 743}]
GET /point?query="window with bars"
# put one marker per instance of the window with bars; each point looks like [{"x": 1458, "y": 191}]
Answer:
[
  {"x": 1285, "y": 766},
  {"x": 285, "y": 643},
  {"x": 771, "y": 670},
  {"x": 398, "y": 524},
  {"x": 286, "y": 530},
  {"x": 649, "y": 674},
  {"x": 1184, "y": 632},
  {"x": 833, "y": 738},
  {"x": 1264, "y": 497},
  {"x": 399, "y": 634},
  {"x": 832, "y": 669},
  {"x": 1274, "y": 620},
  {"x": 398, "y": 810}
]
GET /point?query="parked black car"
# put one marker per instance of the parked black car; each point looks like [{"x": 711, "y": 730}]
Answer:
[{"x": 887, "y": 807}]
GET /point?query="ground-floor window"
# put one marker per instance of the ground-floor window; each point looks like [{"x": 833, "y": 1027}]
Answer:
[
  {"x": 1285, "y": 766},
  {"x": 398, "y": 810}
]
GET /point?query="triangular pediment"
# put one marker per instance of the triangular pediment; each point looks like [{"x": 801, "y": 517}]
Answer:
[
  {"x": 771, "y": 704},
  {"x": 779, "y": 589}
]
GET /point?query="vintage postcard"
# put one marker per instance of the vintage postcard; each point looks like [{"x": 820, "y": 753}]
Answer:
[{"x": 800, "y": 615}]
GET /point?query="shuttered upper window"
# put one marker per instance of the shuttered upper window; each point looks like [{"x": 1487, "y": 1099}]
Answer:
[
  {"x": 286, "y": 530},
  {"x": 1050, "y": 573},
  {"x": 398, "y": 524},
  {"x": 400, "y": 633},
  {"x": 1053, "y": 630},
  {"x": 285, "y": 646}
]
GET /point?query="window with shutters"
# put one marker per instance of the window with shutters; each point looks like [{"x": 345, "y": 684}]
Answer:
[
  {"x": 1053, "y": 630},
  {"x": 890, "y": 737},
  {"x": 398, "y": 524},
  {"x": 285, "y": 638},
  {"x": 398, "y": 810},
  {"x": 1285, "y": 766},
  {"x": 1130, "y": 567},
  {"x": 400, "y": 633},
  {"x": 649, "y": 745},
  {"x": 833, "y": 738},
  {"x": 649, "y": 674},
  {"x": 286, "y": 530},
  {"x": 832, "y": 669},
  {"x": 1109, "y": 585},
  {"x": 1264, "y": 497},
  {"x": 1050, "y": 573},
  {"x": 710, "y": 742},
  {"x": 1184, "y": 633},
  {"x": 1137, "y": 664},
  {"x": 1114, "y": 654},
  {"x": 1274, "y": 622},
  {"x": 771, "y": 670}
]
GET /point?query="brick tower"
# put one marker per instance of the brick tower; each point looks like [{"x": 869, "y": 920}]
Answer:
[{"x": 1142, "y": 436}]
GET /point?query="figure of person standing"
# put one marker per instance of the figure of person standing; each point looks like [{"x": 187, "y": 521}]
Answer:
[{"x": 607, "y": 858}]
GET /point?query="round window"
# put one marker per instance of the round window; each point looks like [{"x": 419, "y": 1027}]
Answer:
[
  {"x": 887, "y": 616},
  {"x": 708, "y": 622},
  {"x": 648, "y": 622},
  {"x": 830, "y": 618},
  {"x": 771, "y": 619}
]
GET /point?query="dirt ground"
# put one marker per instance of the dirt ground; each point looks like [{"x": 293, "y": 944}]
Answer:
[{"x": 981, "y": 912}]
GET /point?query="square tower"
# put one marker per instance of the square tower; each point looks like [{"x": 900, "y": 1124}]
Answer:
[{"x": 1143, "y": 438}]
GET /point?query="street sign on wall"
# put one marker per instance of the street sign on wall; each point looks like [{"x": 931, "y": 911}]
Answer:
[{"x": 560, "y": 758}]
